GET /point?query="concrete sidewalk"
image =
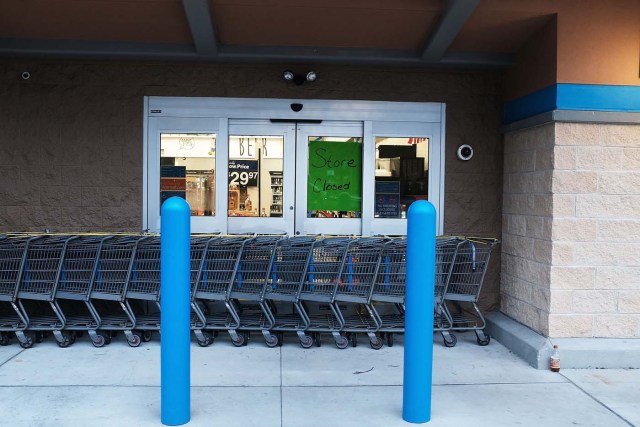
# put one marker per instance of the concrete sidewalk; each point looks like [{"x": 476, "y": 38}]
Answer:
[{"x": 289, "y": 386}]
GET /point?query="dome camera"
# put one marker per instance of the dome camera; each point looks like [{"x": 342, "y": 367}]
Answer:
[
  {"x": 26, "y": 75},
  {"x": 465, "y": 152},
  {"x": 296, "y": 107}
]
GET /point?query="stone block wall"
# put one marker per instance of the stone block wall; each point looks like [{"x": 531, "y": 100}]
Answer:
[
  {"x": 71, "y": 136},
  {"x": 595, "y": 277},
  {"x": 571, "y": 229},
  {"x": 527, "y": 226}
]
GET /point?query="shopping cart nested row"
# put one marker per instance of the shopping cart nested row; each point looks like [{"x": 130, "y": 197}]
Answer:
[{"x": 240, "y": 284}]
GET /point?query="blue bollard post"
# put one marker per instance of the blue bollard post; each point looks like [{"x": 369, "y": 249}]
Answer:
[
  {"x": 418, "y": 339},
  {"x": 175, "y": 291}
]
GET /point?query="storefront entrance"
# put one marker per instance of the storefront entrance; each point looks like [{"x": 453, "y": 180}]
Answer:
[
  {"x": 266, "y": 160},
  {"x": 291, "y": 172}
]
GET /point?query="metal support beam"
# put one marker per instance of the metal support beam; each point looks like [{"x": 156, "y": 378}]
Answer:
[
  {"x": 201, "y": 25},
  {"x": 453, "y": 18},
  {"x": 184, "y": 52}
]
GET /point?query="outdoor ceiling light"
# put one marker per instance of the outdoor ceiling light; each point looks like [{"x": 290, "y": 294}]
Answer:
[
  {"x": 288, "y": 75},
  {"x": 299, "y": 79}
]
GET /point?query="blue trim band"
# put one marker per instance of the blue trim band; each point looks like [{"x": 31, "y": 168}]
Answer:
[{"x": 566, "y": 96}]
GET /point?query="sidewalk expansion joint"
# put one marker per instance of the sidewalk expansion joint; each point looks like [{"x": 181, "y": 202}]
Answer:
[
  {"x": 126, "y": 386},
  {"x": 12, "y": 357},
  {"x": 599, "y": 401}
]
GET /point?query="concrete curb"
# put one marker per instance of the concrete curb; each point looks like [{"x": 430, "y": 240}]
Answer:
[
  {"x": 608, "y": 353},
  {"x": 575, "y": 353},
  {"x": 530, "y": 346}
]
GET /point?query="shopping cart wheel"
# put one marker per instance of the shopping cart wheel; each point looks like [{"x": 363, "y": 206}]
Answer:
[
  {"x": 306, "y": 341},
  {"x": 4, "y": 339},
  {"x": 451, "y": 342},
  {"x": 206, "y": 341},
  {"x": 27, "y": 344},
  {"x": 485, "y": 341},
  {"x": 66, "y": 341},
  {"x": 239, "y": 342},
  {"x": 377, "y": 344},
  {"x": 272, "y": 341},
  {"x": 353, "y": 338},
  {"x": 317, "y": 338},
  {"x": 134, "y": 341},
  {"x": 39, "y": 337},
  {"x": 281, "y": 339},
  {"x": 389, "y": 338},
  {"x": 342, "y": 342},
  {"x": 99, "y": 341},
  {"x": 146, "y": 336}
]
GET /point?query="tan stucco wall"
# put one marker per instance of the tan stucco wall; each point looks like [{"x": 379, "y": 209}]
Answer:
[
  {"x": 71, "y": 136},
  {"x": 571, "y": 229}
]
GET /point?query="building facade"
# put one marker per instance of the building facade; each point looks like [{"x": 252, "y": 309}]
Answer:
[{"x": 546, "y": 93}]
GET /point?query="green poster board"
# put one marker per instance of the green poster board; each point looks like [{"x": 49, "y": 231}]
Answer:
[{"x": 335, "y": 176}]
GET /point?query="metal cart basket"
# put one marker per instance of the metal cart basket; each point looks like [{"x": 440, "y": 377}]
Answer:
[{"x": 470, "y": 266}]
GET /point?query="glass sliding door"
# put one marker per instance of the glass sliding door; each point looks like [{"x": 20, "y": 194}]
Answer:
[
  {"x": 261, "y": 177},
  {"x": 329, "y": 172}
]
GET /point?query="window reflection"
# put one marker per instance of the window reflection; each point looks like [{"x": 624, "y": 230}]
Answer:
[
  {"x": 187, "y": 170},
  {"x": 401, "y": 175},
  {"x": 255, "y": 175}
]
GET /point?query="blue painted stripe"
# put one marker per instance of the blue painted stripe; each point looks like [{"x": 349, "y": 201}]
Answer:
[
  {"x": 567, "y": 96},
  {"x": 535, "y": 103},
  {"x": 598, "y": 97}
]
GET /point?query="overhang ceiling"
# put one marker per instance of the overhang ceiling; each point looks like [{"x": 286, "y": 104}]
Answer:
[{"x": 450, "y": 33}]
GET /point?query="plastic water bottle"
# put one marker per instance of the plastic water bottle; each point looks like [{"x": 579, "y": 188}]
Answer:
[{"x": 555, "y": 359}]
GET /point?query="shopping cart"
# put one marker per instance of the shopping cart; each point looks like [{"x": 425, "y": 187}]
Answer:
[
  {"x": 446, "y": 250},
  {"x": 13, "y": 253},
  {"x": 387, "y": 297},
  {"x": 469, "y": 269},
  {"x": 389, "y": 290},
  {"x": 197, "y": 251},
  {"x": 214, "y": 279},
  {"x": 248, "y": 287},
  {"x": 356, "y": 284},
  {"x": 109, "y": 290},
  {"x": 38, "y": 282},
  {"x": 143, "y": 291},
  {"x": 284, "y": 283},
  {"x": 78, "y": 274},
  {"x": 322, "y": 276}
]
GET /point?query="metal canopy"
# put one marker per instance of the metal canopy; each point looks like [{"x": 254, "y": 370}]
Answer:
[
  {"x": 454, "y": 17},
  {"x": 212, "y": 28},
  {"x": 199, "y": 17}
]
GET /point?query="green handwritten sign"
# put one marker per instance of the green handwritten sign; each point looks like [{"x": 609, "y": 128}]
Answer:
[{"x": 335, "y": 176}]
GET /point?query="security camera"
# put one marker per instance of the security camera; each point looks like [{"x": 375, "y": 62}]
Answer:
[
  {"x": 465, "y": 152},
  {"x": 296, "y": 107},
  {"x": 26, "y": 75}
]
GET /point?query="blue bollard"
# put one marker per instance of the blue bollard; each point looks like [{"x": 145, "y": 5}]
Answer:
[
  {"x": 418, "y": 339},
  {"x": 175, "y": 291}
]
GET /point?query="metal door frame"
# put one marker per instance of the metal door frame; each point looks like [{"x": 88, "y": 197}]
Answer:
[{"x": 378, "y": 117}]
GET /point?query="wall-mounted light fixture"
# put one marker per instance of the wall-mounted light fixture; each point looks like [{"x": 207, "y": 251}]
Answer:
[{"x": 299, "y": 79}]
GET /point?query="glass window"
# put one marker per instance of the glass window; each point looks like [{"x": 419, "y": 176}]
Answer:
[
  {"x": 187, "y": 170},
  {"x": 334, "y": 184},
  {"x": 401, "y": 175},
  {"x": 255, "y": 175}
]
